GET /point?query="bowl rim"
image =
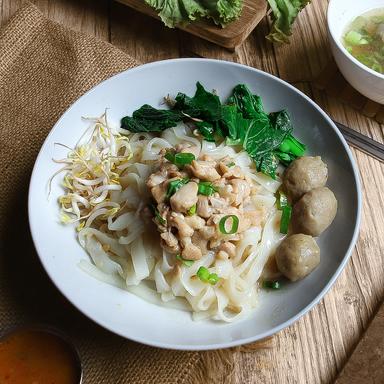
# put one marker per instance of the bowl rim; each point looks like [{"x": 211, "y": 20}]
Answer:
[
  {"x": 337, "y": 41},
  {"x": 241, "y": 341}
]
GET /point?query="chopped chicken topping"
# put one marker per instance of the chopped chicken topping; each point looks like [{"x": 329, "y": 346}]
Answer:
[
  {"x": 189, "y": 219},
  {"x": 185, "y": 197}
]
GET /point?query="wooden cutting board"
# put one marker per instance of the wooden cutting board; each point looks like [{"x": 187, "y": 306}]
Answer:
[
  {"x": 230, "y": 37},
  {"x": 366, "y": 365}
]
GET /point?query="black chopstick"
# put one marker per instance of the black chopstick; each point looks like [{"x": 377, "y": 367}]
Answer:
[{"x": 362, "y": 142}]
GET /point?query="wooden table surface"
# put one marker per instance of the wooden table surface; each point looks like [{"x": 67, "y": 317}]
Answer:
[{"x": 315, "y": 348}]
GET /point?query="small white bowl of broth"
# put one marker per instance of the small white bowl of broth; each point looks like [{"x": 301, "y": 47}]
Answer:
[{"x": 356, "y": 33}]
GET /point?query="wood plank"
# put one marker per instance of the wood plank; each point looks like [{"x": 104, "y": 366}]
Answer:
[
  {"x": 230, "y": 37},
  {"x": 86, "y": 16}
]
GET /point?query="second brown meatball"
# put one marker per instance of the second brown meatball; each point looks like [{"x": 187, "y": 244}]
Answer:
[
  {"x": 304, "y": 174},
  {"x": 297, "y": 256},
  {"x": 314, "y": 212}
]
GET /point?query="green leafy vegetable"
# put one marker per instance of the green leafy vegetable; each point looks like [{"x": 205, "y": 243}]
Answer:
[
  {"x": 187, "y": 263},
  {"x": 192, "y": 211},
  {"x": 206, "y": 130},
  {"x": 174, "y": 186},
  {"x": 248, "y": 104},
  {"x": 222, "y": 12},
  {"x": 204, "y": 105},
  {"x": 149, "y": 119},
  {"x": 241, "y": 121},
  {"x": 285, "y": 218},
  {"x": 234, "y": 124},
  {"x": 284, "y": 13},
  {"x": 206, "y": 277},
  {"x": 180, "y": 12},
  {"x": 267, "y": 164},
  {"x": 271, "y": 284},
  {"x": 206, "y": 188},
  {"x": 234, "y": 227}
]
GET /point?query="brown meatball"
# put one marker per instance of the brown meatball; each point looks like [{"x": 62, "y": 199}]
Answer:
[
  {"x": 297, "y": 256},
  {"x": 304, "y": 174},
  {"x": 314, "y": 212}
]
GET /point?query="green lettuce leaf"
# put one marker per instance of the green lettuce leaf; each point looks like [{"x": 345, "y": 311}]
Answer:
[
  {"x": 222, "y": 11},
  {"x": 181, "y": 12},
  {"x": 284, "y": 13}
]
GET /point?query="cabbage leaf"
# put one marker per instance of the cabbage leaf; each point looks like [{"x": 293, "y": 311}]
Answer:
[{"x": 284, "y": 13}]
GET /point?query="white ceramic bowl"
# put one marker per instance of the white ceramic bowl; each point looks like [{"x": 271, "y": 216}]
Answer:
[
  {"x": 340, "y": 13},
  {"x": 132, "y": 317}
]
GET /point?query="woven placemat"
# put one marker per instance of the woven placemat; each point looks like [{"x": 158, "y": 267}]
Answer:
[
  {"x": 332, "y": 81},
  {"x": 45, "y": 67}
]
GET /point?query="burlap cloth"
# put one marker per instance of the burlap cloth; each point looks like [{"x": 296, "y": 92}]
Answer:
[{"x": 44, "y": 68}]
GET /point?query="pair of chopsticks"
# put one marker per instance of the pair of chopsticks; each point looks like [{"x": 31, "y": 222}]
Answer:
[{"x": 362, "y": 142}]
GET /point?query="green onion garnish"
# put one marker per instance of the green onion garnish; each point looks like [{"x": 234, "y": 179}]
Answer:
[
  {"x": 285, "y": 218},
  {"x": 271, "y": 284},
  {"x": 232, "y": 164},
  {"x": 206, "y": 188},
  {"x": 191, "y": 211},
  {"x": 187, "y": 263},
  {"x": 282, "y": 200},
  {"x": 213, "y": 278},
  {"x": 206, "y": 277},
  {"x": 184, "y": 158},
  {"x": 170, "y": 155},
  {"x": 179, "y": 159},
  {"x": 175, "y": 185},
  {"x": 157, "y": 214},
  {"x": 235, "y": 224}
]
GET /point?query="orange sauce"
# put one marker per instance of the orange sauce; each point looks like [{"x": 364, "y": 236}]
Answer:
[{"x": 30, "y": 356}]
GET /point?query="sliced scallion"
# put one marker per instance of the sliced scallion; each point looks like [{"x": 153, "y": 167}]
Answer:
[
  {"x": 206, "y": 277},
  {"x": 234, "y": 227},
  {"x": 170, "y": 155},
  {"x": 206, "y": 188},
  {"x": 179, "y": 159},
  {"x": 174, "y": 186},
  {"x": 203, "y": 274},
  {"x": 187, "y": 263},
  {"x": 191, "y": 211},
  {"x": 285, "y": 219},
  {"x": 184, "y": 158},
  {"x": 213, "y": 278}
]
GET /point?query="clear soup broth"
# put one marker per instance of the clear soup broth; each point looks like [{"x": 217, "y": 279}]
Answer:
[{"x": 364, "y": 39}]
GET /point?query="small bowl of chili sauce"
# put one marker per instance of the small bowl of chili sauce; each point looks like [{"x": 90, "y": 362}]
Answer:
[{"x": 38, "y": 355}]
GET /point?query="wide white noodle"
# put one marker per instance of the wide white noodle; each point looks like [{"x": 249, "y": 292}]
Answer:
[{"x": 106, "y": 191}]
